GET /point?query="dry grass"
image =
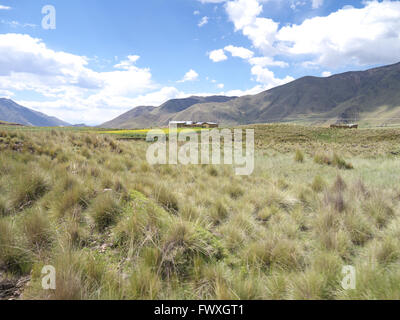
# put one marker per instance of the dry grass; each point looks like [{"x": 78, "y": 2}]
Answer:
[{"x": 117, "y": 228}]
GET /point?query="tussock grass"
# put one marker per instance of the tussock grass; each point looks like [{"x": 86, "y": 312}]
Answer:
[
  {"x": 105, "y": 210},
  {"x": 115, "y": 227},
  {"x": 299, "y": 156}
]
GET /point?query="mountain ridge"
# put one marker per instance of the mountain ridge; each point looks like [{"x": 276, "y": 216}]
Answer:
[
  {"x": 145, "y": 116},
  {"x": 10, "y": 111},
  {"x": 345, "y": 97}
]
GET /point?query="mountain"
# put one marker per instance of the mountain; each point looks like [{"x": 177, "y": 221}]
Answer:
[
  {"x": 147, "y": 116},
  {"x": 362, "y": 96},
  {"x": 80, "y": 125},
  {"x": 13, "y": 112},
  {"x": 367, "y": 97}
]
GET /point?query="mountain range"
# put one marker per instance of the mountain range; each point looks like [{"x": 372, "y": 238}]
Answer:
[
  {"x": 357, "y": 96},
  {"x": 147, "y": 116},
  {"x": 12, "y": 112},
  {"x": 366, "y": 97}
]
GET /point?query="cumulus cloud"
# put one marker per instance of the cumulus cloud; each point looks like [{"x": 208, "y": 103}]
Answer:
[
  {"x": 259, "y": 71},
  {"x": 4, "y": 7},
  {"x": 203, "y": 22},
  {"x": 267, "y": 61},
  {"x": 217, "y": 55},
  {"x": 239, "y": 52},
  {"x": 267, "y": 77},
  {"x": 350, "y": 36},
  {"x": 191, "y": 75},
  {"x": 27, "y": 64},
  {"x": 97, "y": 109}
]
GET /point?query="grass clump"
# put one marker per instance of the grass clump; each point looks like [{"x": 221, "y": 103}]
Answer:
[
  {"x": 105, "y": 210},
  {"x": 28, "y": 187},
  {"x": 299, "y": 156},
  {"x": 332, "y": 160}
]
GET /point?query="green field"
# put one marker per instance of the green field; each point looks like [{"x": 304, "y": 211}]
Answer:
[{"x": 115, "y": 227}]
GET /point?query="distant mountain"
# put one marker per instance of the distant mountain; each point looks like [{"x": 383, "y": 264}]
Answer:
[
  {"x": 147, "y": 116},
  {"x": 361, "y": 96},
  {"x": 80, "y": 125},
  {"x": 371, "y": 96},
  {"x": 13, "y": 112}
]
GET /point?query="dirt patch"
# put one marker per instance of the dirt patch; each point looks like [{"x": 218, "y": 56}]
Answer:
[{"x": 11, "y": 289}]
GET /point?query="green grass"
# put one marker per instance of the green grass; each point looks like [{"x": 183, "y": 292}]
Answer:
[{"x": 115, "y": 227}]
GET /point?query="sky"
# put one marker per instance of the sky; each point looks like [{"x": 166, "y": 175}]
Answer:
[{"x": 90, "y": 61}]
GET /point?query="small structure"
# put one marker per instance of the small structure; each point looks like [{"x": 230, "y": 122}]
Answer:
[
  {"x": 345, "y": 126},
  {"x": 192, "y": 124},
  {"x": 179, "y": 124},
  {"x": 210, "y": 125}
]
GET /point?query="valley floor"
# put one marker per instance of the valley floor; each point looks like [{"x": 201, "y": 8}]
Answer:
[{"x": 115, "y": 227}]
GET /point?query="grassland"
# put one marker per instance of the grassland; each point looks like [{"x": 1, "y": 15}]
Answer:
[{"x": 115, "y": 227}]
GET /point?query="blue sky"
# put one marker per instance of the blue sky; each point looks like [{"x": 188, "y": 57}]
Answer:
[{"x": 106, "y": 57}]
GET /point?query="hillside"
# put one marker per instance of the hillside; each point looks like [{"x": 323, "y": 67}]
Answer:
[
  {"x": 369, "y": 97},
  {"x": 15, "y": 113},
  {"x": 147, "y": 116},
  {"x": 372, "y": 95}
]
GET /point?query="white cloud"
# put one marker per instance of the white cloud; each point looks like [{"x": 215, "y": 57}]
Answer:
[
  {"x": 203, "y": 21},
  {"x": 220, "y": 85},
  {"x": 326, "y": 74},
  {"x": 267, "y": 77},
  {"x": 317, "y": 3},
  {"x": 262, "y": 74},
  {"x": 267, "y": 61},
  {"x": 217, "y": 55},
  {"x": 96, "y": 110},
  {"x": 127, "y": 64},
  {"x": 196, "y": 12},
  {"x": 27, "y": 64},
  {"x": 4, "y": 7},
  {"x": 191, "y": 75},
  {"x": 350, "y": 36},
  {"x": 239, "y": 52}
]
